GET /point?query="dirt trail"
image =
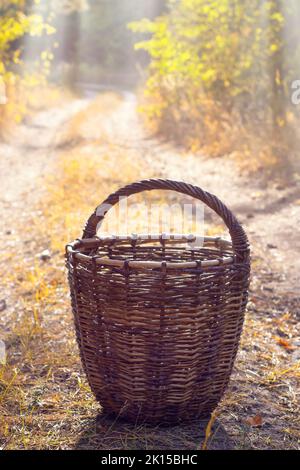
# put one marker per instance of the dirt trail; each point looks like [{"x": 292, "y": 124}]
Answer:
[
  {"x": 27, "y": 155},
  {"x": 25, "y": 161}
]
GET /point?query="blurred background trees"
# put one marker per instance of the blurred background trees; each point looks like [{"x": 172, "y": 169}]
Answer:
[
  {"x": 65, "y": 42},
  {"x": 220, "y": 75},
  {"x": 18, "y": 21},
  {"x": 95, "y": 43}
]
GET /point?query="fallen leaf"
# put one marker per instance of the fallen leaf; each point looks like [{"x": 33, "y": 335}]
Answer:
[
  {"x": 255, "y": 421},
  {"x": 284, "y": 343}
]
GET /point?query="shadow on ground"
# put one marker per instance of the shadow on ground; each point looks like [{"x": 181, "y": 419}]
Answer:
[{"x": 106, "y": 433}]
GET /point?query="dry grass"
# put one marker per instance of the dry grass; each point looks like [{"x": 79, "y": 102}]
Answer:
[
  {"x": 203, "y": 125},
  {"x": 45, "y": 402}
]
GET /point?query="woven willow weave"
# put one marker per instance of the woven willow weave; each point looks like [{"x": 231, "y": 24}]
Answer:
[{"x": 158, "y": 324}]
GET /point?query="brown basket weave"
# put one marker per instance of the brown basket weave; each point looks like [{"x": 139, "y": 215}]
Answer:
[{"x": 158, "y": 324}]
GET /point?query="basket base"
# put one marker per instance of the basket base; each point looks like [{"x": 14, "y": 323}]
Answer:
[{"x": 170, "y": 417}]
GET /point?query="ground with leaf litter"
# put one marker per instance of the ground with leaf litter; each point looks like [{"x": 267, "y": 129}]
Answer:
[{"x": 58, "y": 167}]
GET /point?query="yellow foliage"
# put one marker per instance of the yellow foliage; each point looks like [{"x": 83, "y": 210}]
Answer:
[
  {"x": 203, "y": 88},
  {"x": 15, "y": 23}
]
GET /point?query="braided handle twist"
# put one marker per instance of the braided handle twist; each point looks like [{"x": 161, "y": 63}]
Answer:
[{"x": 239, "y": 238}]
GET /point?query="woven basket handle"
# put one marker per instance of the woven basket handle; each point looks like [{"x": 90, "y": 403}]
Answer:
[{"x": 239, "y": 239}]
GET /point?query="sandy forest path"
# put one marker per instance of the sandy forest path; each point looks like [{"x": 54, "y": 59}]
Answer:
[
  {"x": 26, "y": 160},
  {"x": 271, "y": 216}
]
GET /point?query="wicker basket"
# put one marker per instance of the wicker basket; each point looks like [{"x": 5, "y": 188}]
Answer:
[{"x": 158, "y": 325}]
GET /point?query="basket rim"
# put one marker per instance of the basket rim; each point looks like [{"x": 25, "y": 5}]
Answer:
[{"x": 135, "y": 239}]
